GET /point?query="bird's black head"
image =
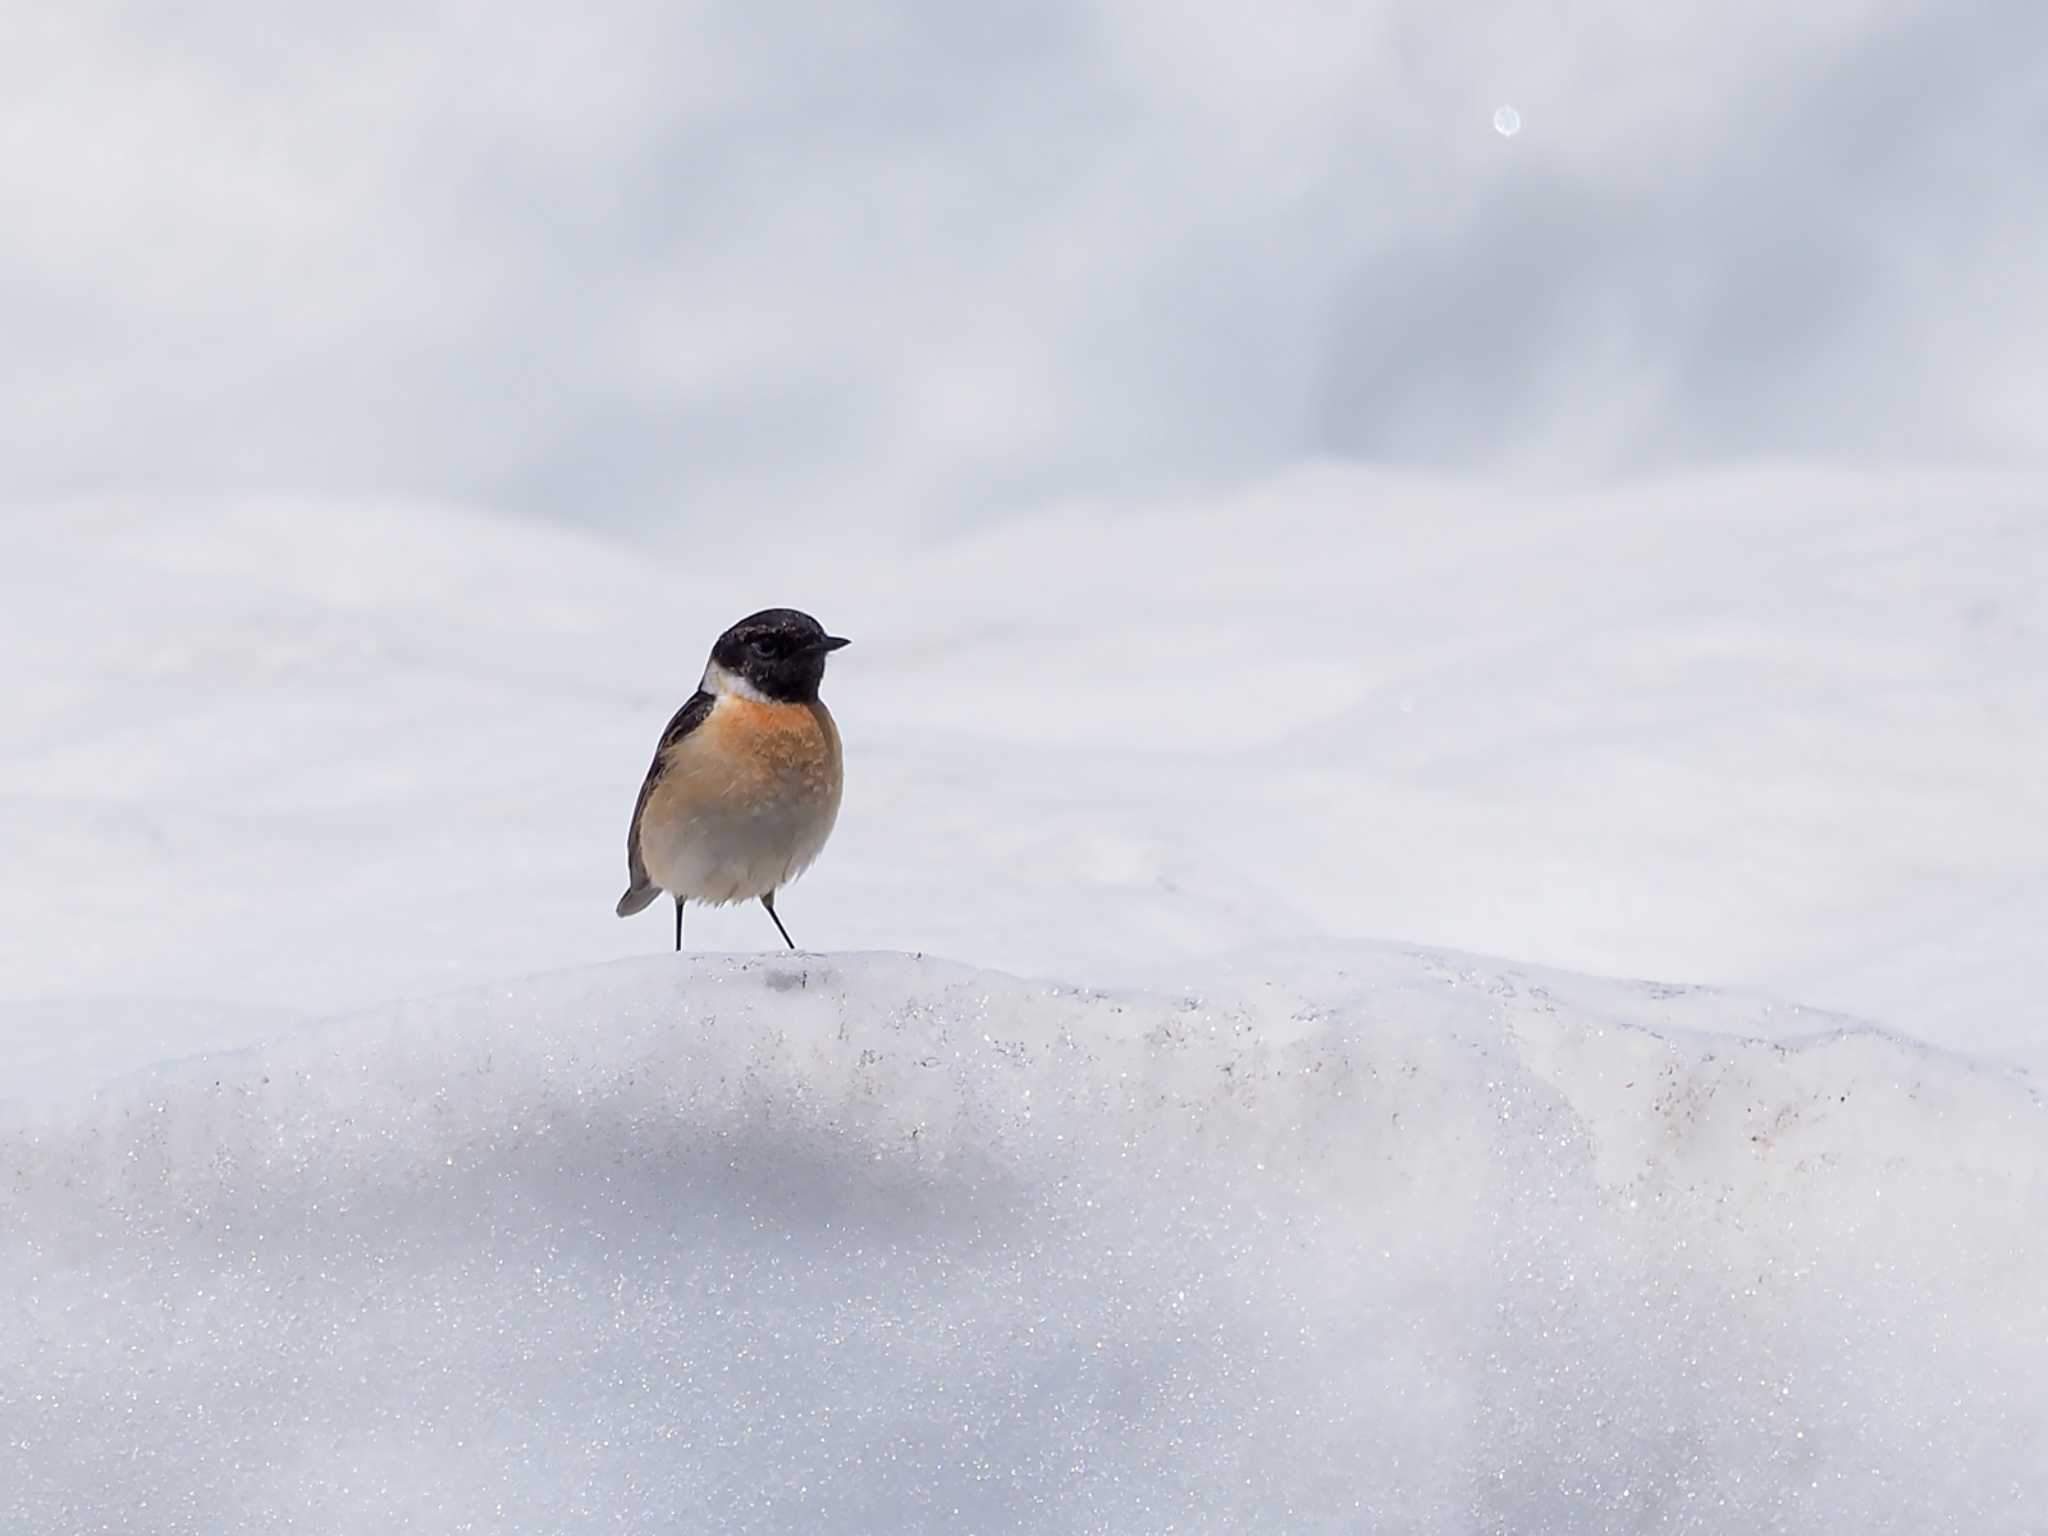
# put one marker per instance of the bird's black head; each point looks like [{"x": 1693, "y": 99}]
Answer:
[{"x": 778, "y": 652}]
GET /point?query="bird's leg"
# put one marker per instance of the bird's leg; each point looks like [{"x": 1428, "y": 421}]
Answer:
[
  {"x": 679, "y": 925},
  {"x": 768, "y": 901}
]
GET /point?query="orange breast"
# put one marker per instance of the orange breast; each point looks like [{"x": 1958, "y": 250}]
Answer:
[{"x": 750, "y": 754}]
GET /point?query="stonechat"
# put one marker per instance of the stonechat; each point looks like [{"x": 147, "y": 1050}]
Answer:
[{"x": 744, "y": 786}]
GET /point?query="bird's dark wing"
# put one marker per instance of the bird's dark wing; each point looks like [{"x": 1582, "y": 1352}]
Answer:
[{"x": 687, "y": 719}]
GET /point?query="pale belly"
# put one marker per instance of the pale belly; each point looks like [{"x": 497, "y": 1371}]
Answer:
[{"x": 745, "y": 804}]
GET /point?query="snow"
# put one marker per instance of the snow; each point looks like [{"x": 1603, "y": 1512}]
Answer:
[
  {"x": 1327, "y": 583},
  {"x": 639, "y": 262},
  {"x": 1772, "y": 730},
  {"x": 1393, "y": 1240},
  {"x": 357, "y": 1165}
]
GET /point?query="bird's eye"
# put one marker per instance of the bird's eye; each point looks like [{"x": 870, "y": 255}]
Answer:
[{"x": 768, "y": 645}]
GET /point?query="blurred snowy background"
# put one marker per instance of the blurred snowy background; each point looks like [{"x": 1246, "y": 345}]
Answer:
[
  {"x": 1298, "y": 540},
  {"x": 641, "y": 265}
]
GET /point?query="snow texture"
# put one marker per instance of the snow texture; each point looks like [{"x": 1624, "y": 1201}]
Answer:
[
  {"x": 1295, "y": 541},
  {"x": 358, "y": 1168},
  {"x": 1405, "y": 1242}
]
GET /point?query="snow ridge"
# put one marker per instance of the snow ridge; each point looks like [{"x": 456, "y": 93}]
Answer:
[{"x": 1409, "y": 1242}]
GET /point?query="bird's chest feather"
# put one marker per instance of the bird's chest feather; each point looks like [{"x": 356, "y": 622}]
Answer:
[{"x": 753, "y": 760}]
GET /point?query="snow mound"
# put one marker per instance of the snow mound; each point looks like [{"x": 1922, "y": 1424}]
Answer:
[{"x": 1410, "y": 1242}]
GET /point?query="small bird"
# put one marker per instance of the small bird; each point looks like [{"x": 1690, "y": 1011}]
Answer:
[{"x": 744, "y": 786}]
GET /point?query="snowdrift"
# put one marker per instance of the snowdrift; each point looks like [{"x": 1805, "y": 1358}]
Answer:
[
  {"x": 1778, "y": 730},
  {"x": 1409, "y": 1242}
]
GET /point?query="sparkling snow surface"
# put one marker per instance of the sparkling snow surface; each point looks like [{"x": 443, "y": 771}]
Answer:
[
  {"x": 1400, "y": 1242},
  {"x": 359, "y": 1170}
]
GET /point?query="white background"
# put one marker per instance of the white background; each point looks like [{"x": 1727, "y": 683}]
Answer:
[{"x": 1321, "y": 573}]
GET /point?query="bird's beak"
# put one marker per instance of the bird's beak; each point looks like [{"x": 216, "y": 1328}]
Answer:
[{"x": 832, "y": 643}]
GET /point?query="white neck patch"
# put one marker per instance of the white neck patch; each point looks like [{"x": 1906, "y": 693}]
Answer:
[{"x": 719, "y": 680}]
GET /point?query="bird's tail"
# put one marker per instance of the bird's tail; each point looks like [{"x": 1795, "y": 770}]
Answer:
[{"x": 636, "y": 899}]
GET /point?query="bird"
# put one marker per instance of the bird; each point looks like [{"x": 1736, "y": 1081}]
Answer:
[{"x": 745, "y": 783}]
